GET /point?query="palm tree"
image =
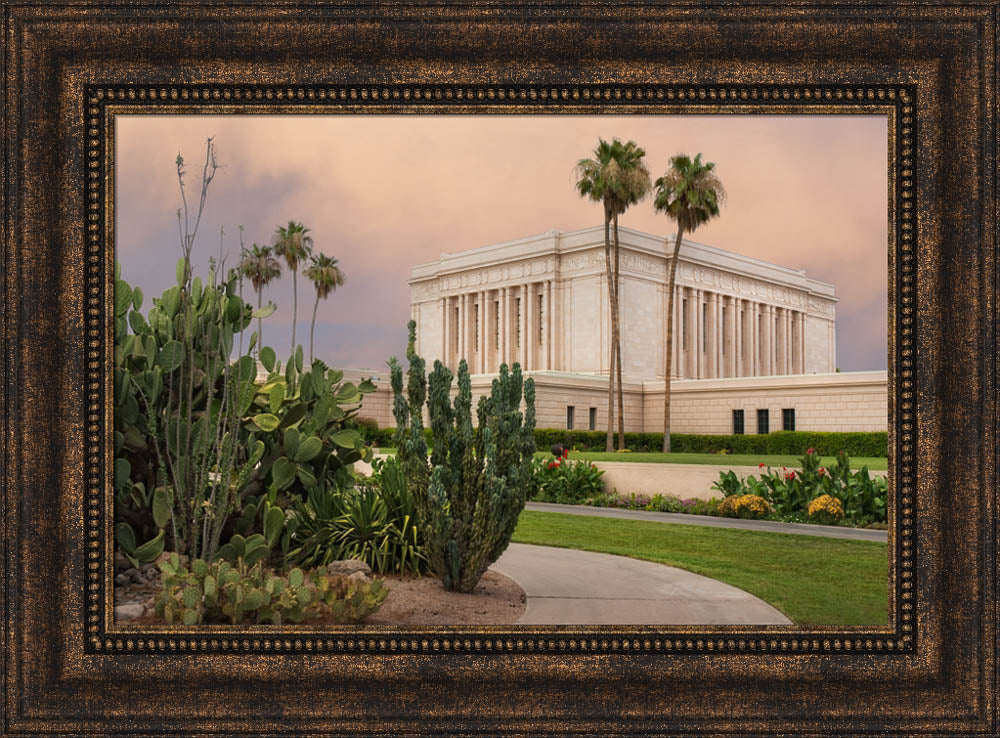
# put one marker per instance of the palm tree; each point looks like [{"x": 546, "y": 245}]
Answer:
[
  {"x": 261, "y": 268},
  {"x": 295, "y": 244},
  {"x": 617, "y": 177},
  {"x": 690, "y": 194},
  {"x": 326, "y": 276}
]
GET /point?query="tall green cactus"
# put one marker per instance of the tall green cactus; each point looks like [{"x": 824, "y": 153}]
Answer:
[{"x": 476, "y": 482}]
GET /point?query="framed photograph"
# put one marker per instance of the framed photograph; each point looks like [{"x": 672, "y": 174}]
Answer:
[{"x": 466, "y": 369}]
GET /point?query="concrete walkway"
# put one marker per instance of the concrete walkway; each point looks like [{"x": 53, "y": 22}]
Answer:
[
  {"x": 769, "y": 526},
  {"x": 569, "y": 587}
]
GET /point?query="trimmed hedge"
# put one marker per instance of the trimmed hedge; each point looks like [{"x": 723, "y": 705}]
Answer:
[
  {"x": 875, "y": 443},
  {"x": 383, "y": 437},
  {"x": 780, "y": 442}
]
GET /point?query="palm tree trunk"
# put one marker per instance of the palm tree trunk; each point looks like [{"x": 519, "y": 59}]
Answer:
[
  {"x": 618, "y": 348},
  {"x": 670, "y": 341},
  {"x": 609, "y": 444},
  {"x": 312, "y": 330},
  {"x": 295, "y": 306}
]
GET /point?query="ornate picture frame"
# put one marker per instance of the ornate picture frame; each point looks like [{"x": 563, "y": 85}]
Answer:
[{"x": 70, "y": 68}]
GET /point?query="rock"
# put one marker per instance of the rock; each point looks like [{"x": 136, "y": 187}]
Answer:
[
  {"x": 122, "y": 579},
  {"x": 358, "y": 577},
  {"x": 348, "y": 567},
  {"x": 129, "y": 612},
  {"x": 121, "y": 562},
  {"x": 135, "y": 575},
  {"x": 165, "y": 556}
]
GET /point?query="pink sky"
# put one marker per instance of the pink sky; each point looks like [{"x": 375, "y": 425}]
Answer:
[{"x": 381, "y": 193}]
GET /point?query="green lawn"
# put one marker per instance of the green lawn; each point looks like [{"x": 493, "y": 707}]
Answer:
[
  {"x": 774, "y": 460},
  {"x": 812, "y": 580}
]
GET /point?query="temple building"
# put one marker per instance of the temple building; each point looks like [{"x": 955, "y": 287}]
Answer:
[
  {"x": 753, "y": 342},
  {"x": 542, "y": 301}
]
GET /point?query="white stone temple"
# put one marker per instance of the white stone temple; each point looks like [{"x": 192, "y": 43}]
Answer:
[
  {"x": 542, "y": 301},
  {"x": 753, "y": 342}
]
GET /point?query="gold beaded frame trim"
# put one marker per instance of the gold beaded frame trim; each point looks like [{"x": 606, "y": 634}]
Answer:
[{"x": 103, "y": 102}]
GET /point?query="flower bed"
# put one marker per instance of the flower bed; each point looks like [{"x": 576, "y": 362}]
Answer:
[{"x": 811, "y": 494}]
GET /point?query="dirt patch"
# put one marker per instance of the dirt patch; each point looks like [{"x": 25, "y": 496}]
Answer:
[{"x": 497, "y": 600}]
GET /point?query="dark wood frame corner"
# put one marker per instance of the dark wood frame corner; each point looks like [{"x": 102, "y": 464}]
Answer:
[{"x": 70, "y": 67}]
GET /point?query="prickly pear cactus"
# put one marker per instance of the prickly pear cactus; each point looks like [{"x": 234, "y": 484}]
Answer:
[
  {"x": 474, "y": 486},
  {"x": 240, "y": 592}
]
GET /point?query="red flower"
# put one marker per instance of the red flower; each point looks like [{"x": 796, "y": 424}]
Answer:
[
  {"x": 810, "y": 450},
  {"x": 760, "y": 465},
  {"x": 821, "y": 471},
  {"x": 565, "y": 453},
  {"x": 789, "y": 476},
  {"x": 553, "y": 464}
]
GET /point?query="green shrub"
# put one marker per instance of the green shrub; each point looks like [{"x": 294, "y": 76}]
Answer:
[
  {"x": 873, "y": 443},
  {"x": 377, "y": 522},
  {"x": 863, "y": 498},
  {"x": 476, "y": 482},
  {"x": 665, "y": 503},
  {"x": 368, "y": 428},
  {"x": 564, "y": 481},
  {"x": 237, "y": 592}
]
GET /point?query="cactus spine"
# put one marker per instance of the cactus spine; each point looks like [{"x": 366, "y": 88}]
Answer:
[{"x": 474, "y": 486}]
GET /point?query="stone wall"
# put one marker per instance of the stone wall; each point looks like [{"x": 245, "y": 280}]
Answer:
[
  {"x": 841, "y": 401},
  {"x": 848, "y": 401}
]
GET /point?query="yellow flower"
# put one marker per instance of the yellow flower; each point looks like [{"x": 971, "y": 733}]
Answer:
[
  {"x": 826, "y": 506},
  {"x": 746, "y": 506}
]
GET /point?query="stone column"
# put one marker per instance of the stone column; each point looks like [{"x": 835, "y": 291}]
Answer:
[
  {"x": 687, "y": 331},
  {"x": 444, "y": 330},
  {"x": 460, "y": 329},
  {"x": 772, "y": 341},
  {"x": 802, "y": 343},
  {"x": 779, "y": 341},
  {"x": 738, "y": 352},
  {"x": 523, "y": 328},
  {"x": 729, "y": 340},
  {"x": 505, "y": 325},
  {"x": 549, "y": 326},
  {"x": 467, "y": 316},
  {"x": 788, "y": 341},
  {"x": 691, "y": 325},
  {"x": 481, "y": 344},
  {"x": 699, "y": 334},
  {"x": 756, "y": 354},
  {"x": 775, "y": 337},
  {"x": 720, "y": 330},
  {"x": 786, "y": 348},
  {"x": 761, "y": 340},
  {"x": 675, "y": 363},
  {"x": 711, "y": 321},
  {"x": 793, "y": 344}
]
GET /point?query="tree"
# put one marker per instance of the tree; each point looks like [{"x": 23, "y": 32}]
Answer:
[
  {"x": 617, "y": 177},
  {"x": 690, "y": 194},
  {"x": 259, "y": 266},
  {"x": 326, "y": 276},
  {"x": 295, "y": 244}
]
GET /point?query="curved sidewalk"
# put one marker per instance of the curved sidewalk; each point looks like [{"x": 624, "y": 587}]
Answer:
[
  {"x": 569, "y": 587},
  {"x": 767, "y": 526}
]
